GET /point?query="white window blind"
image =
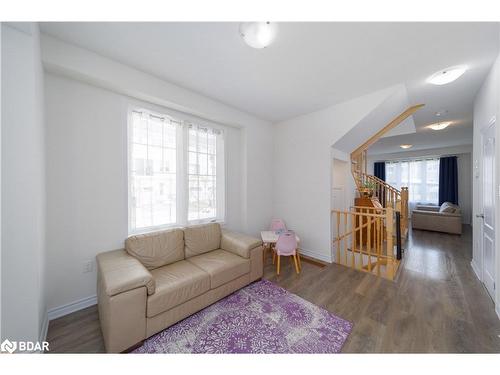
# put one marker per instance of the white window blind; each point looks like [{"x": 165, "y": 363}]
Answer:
[
  {"x": 176, "y": 172},
  {"x": 420, "y": 176}
]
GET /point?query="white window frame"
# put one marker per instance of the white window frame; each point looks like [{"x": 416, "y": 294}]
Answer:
[
  {"x": 220, "y": 178},
  {"x": 410, "y": 160},
  {"x": 182, "y": 193}
]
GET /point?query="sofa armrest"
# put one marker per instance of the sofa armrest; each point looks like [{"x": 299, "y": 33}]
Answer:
[
  {"x": 239, "y": 244},
  {"x": 120, "y": 272}
]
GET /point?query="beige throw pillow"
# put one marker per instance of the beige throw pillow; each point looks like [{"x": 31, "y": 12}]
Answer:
[{"x": 449, "y": 208}]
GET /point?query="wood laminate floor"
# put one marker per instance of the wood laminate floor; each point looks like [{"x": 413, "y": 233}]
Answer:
[{"x": 436, "y": 305}]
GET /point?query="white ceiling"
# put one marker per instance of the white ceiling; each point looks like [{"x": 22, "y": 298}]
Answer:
[
  {"x": 375, "y": 120},
  {"x": 424, "y": 139},
  {"x": 309, "y": 67}
]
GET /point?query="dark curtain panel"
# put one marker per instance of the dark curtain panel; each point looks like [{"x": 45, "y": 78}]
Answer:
[
  {"x": 448, "y": 180},
  {"x": 379, "y": 170}
]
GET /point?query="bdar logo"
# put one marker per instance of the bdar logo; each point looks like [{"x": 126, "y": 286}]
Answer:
[{"x": 8, "y": 346}]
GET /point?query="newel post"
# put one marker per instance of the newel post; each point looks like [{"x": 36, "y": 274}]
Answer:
[
  {"x": 404, "y": 206},
  {"x": 389, "y": 224}
]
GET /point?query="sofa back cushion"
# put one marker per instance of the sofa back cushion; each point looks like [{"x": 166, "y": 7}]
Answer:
[
  {"x": 157, "y": 249},
  {"x": 201, "y": 239}
]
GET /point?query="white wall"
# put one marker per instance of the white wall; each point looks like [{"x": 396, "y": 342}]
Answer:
[
  {"x": 464, "y": 162},
  {"x": 1, "y": 122},
  {"x": 377, "y": 119},
  {"x": 87, "y": 181},
  {"x": 486, "y": 109},
  {"x": 256, "y": 201},
  {"x": 0, "y": 181},
  {"x": 23, "y": 184},
  {"x": 303, "y": 166},
  {"x": 340, "y": 183},
  {"x": 342, "y": 176},
  {"x": 87, "y": 151}
]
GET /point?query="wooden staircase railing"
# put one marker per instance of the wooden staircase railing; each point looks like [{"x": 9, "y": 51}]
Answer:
[
  {"x": 388, "y": 195},
  {"x": 369, "y": 238},
  {"x": 364, "y": 240}
]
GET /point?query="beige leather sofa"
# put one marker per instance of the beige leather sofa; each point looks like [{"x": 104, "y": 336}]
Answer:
[
  {"x": 447, "y": 218},
  {"x": 163, "y": 277}
]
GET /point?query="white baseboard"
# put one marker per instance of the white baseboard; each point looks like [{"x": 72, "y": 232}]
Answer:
[
  {"x": 44, "y": 328},
  {"x": 312, "y": 254},
  {"x": 475, "y": 269},
  {"x": 71, "y": 307}
]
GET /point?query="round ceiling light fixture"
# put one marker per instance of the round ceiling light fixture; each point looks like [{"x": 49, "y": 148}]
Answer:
[
  {"x": 441, "y": 112},
  {"x": 439, "y": 125},
  {"x": 258, "y": 34},
  {"x": 447, "y": 75},
  {"x": 406, "y": 146}
]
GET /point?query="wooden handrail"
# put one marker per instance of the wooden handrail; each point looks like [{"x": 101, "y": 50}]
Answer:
[
  {"x": 359, "y": 156},
  {"x": 398, "y": 120},
  {"x": 391, "y": 198},
  {"x": 380, "y": 182},
  {"x": 361, "y": 213},
  {"x": 369, "y": 208}
]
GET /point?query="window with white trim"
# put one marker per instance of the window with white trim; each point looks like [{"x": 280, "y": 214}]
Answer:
[
  {"x": 176, "y": 172},
  {"x": 421, "y": 176},
  {"x": 202, "y": 173}
]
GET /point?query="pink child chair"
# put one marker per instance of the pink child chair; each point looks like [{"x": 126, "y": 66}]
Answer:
[
  {"x": 276, "y": 225},
  {"x": 287, "y": 246}
]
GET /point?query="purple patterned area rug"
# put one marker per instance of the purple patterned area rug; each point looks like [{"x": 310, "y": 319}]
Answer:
[{"x": 260, "y": 318}]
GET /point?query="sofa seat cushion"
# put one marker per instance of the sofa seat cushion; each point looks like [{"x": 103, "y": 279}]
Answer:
[
  {"x": 176, "y": 283},
  {"x": 221, "y": 265}
]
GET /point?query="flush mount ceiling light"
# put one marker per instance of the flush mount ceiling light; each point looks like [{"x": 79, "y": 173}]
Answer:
[
  {"x": 441, "y": 112},
  {"x": 439, "y": 125},
  {"x": 447, "y": 75},
  {"x": 405, "y": 146},
  {"x": 258, "y": 34}
]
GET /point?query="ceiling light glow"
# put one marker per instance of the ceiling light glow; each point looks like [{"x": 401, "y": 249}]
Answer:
[
  {"x": 405, "y": 146},
  {"x": 258, "y": 34},
  {"x": 439, "y": 125},
  {"x": 447, "y": 75}
]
